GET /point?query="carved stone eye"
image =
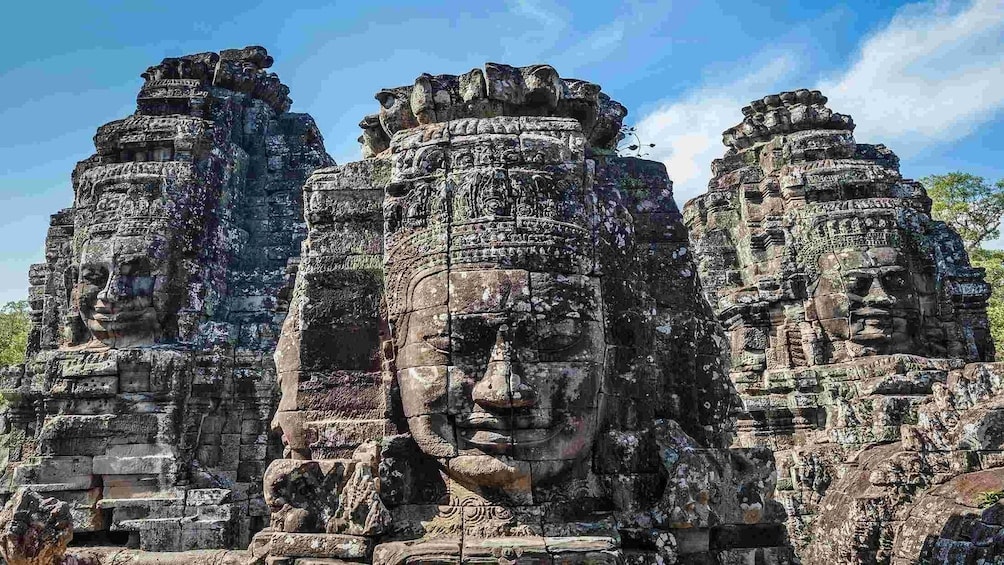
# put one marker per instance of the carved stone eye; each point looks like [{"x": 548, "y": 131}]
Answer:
[
  {"x": 894, "y": 282},
  {"x": 93, "y": 274},
  {"x": 440, "y": 343},
  {"x": 559, "y": 335},
  {"x": 859, "y": 284}
]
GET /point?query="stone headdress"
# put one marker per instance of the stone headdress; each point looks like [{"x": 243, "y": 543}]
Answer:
[
  {"x": 855, "y": 224},
  {"x": 516, "y": 201}
]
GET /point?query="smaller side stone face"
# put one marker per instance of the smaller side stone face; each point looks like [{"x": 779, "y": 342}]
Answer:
[
  {"x": 145, "y": 399},
  {"x": 847, "y": 307},
  {"x": 34, "y": 530}
]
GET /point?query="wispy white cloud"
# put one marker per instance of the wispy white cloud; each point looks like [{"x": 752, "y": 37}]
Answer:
[
  {"x": 539, "y": 12},
  {"x": 688, "y": 131},
  {"x": 932, "y": 75}
]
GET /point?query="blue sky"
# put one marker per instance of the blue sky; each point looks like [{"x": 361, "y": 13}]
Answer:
[{"x": 925, "y": 78}]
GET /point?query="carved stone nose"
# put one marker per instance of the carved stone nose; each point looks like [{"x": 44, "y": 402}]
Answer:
[
  {"x": 877, "y": 295},
  {"x": 502, "y": 385},
  {"x": 108, "y": 293},
  {"x": 115, "y": 289}
]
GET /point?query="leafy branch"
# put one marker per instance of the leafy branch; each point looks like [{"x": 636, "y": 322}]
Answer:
[{"x": 634, "y": 149}]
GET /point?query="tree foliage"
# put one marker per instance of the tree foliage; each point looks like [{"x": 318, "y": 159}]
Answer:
[
  {"x": 969, "y": 204},
  {"x": 14, "y": 327},
  {"x": 993, "y": 261},
  {"x": 974, "y": 208}
]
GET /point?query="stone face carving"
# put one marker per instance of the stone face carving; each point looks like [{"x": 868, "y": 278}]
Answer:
[
  {"x": 499, "y": 332},
  {"x": 496, "y": 328},
  {"x": 846, "y": 306},
  {"x": 149, "y": 384},
  {"x": 115, "y": 291}
]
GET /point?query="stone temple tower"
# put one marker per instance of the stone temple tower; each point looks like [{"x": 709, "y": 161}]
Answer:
[
  {"x": 149, "y": 381},
  {"x": 527, "y": 371},
  {"x": 848, "y": 310}
]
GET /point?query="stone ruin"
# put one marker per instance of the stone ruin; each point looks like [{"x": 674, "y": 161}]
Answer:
[
  {"x": 526, "y": 370},
  {"x": 149, "y": 382},
  {"x": 851, "y": 316},
  {"x": 494, "y": 342}
]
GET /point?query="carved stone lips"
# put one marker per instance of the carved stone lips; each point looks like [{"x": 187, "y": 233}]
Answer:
[
  {"x": 870, "y": 312},
  {"x": 484, "y": 421},
  {"x": 494, "y": 433},
  {"x": 518, "y": 420},
  {"x": 120, "y": 316},
  {"x": 110, "y": 321},
  {"x": 875, "y": 323}
]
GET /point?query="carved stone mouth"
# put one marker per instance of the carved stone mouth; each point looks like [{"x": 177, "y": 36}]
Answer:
[
  {"x": 870, "y": 312},
  {"x": 487, "y": 440},
  {"x": 516, "y": 420},
  {"x": 495, "y": 434},
  {"x": 875, "y": 325},
  {"x": 120, "y": 316},
  {"x": 483, "y": 421}
]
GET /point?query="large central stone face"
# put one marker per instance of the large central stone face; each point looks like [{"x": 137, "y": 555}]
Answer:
[
  {"x": 496, "y": 349},
  {"x": 496, "y": 309}
]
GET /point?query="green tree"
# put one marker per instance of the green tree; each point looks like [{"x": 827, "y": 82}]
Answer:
[
  {"x": 993, "y": 261},
  {"x": 969, "y": 204},
  {"x": 14, "y": 325}
]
